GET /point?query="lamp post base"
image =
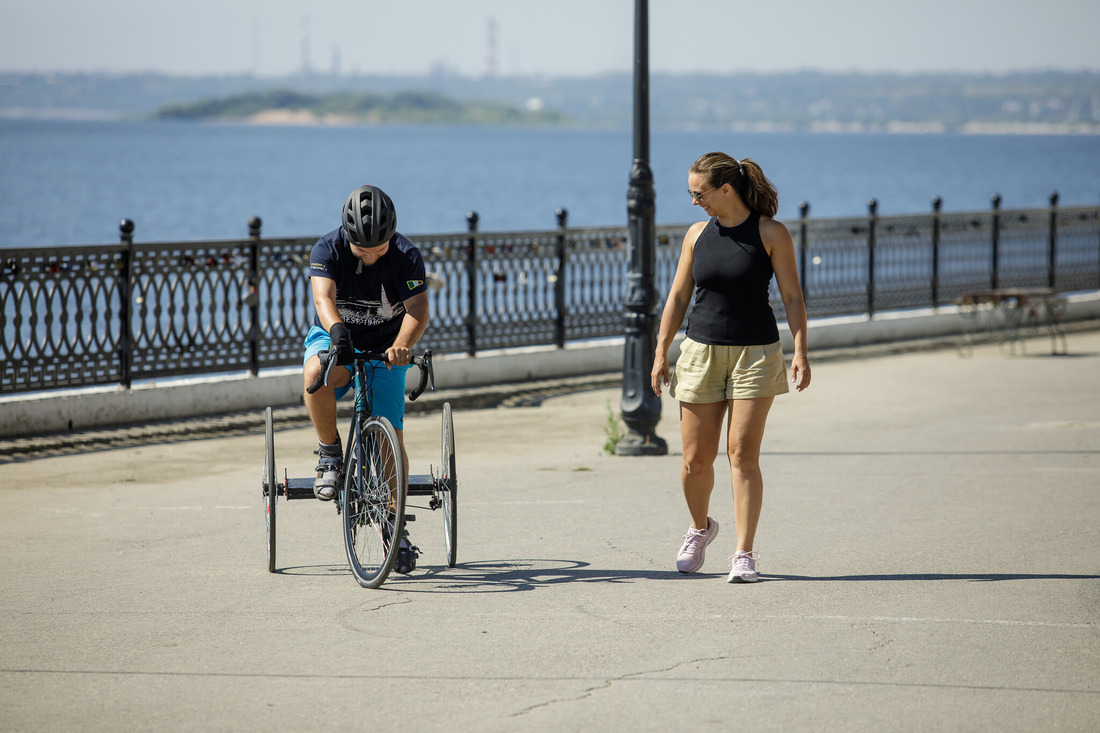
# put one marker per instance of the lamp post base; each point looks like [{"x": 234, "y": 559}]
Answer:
[{"x": 636, "y": 444}]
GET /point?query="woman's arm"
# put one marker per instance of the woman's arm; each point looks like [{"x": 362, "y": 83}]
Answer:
[
  {"x": 777, "y": 241},
  {"x": 676, "y": 305}
]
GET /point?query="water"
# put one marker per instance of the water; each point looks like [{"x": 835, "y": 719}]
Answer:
[{"x": 72, "y": 182}]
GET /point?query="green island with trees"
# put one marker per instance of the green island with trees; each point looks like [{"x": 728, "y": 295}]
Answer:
[{"x": 288, "y": 106}]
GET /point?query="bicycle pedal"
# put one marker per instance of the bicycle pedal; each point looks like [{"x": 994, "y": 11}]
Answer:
[{"x": 410, "y": 517}]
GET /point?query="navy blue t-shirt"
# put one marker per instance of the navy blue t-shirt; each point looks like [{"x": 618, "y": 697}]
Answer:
[{"x": 370, "y": 299}]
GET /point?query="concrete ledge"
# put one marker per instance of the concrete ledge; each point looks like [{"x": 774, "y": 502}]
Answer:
[
  {"x": 81, "y": 409},
  {"x": 60, "y": 411}
]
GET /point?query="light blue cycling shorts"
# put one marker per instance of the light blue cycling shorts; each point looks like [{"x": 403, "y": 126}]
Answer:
[{"x": 387, "y": 386}]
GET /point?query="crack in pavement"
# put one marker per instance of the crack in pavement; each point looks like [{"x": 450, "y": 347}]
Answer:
[
  {"x": 606, "y": 684},
  {"x": 346, "y": 620}
]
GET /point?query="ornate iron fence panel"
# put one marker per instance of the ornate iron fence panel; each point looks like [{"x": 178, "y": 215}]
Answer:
[
  {"x": 836, "y": 266},
  {"x": 81, "y": 316},
  {"x": 61, "y": 317},
  {"x": 965, "y": 254},
  {"x": 595, "y": 282},
  {"x": 446, "y": 259},
  {"x": 284, "y": 299},
  {"x": 903, "y": 262},
  {"x": 1023, "y": 249},
  {"x": 515, "y": 283},
  {"x": 189, "y": 314},
  {"x": 1077, "y": 253}
]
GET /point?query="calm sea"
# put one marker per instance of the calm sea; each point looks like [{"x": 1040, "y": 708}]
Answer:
[{"x": 72, "y": 182}]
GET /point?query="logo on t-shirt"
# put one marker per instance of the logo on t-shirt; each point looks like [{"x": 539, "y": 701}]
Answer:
[
  {"x": 362, "y": 312},
  {"x": 413, "y": 284}
]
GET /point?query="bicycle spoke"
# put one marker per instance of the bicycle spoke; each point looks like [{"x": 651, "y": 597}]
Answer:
[{"x": 375, "y": 506}]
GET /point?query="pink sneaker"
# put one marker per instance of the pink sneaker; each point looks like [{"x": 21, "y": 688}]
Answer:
[
  {"x": 743, "y": 567},
  {"x": 694, "y": 550}
]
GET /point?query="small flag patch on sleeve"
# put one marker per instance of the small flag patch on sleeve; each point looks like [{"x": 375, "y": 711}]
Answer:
[{"x": 414, "y": 284}]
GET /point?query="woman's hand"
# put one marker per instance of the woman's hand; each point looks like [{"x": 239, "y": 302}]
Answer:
[
  {"x": 659, "y": 375},
  {"x": 800, "y": 371}
]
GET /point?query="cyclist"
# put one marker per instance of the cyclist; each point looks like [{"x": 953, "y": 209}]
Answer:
[{"x": 369, "y": 293}]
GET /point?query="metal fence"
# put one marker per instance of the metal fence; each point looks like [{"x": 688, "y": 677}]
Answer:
[{"x": 96, "y": 315}]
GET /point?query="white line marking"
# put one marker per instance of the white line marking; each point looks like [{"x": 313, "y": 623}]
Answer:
[
  {"x": 515, "y": 503},
  {"x": 918, "y": 620},
  {"x": 200, "y": 508}
]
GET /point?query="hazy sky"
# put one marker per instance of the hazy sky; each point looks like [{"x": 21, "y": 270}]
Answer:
[{"x": 563, "y": 37}]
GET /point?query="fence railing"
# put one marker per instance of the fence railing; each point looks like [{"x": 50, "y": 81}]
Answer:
[{"x": 112, "y": 314}]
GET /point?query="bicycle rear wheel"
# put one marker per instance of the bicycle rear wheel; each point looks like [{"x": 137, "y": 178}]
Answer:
[
  {"x": 373, "y": 500},
  {"x": 449, "y": 487},
  {"x": 270, "y": 487}
]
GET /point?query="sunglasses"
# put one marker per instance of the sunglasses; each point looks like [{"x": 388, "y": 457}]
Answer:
[{"x": 697, "y": 197}]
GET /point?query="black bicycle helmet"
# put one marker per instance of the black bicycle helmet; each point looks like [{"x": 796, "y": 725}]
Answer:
[{"x": 369, "y": 219}]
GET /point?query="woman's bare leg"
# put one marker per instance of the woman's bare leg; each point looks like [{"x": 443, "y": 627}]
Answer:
[
  {"x": 701, "y": 434},
  {"x": 746, "y": 433}
]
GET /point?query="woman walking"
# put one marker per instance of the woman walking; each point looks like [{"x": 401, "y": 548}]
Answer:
[{"x": 731, "y": 364}]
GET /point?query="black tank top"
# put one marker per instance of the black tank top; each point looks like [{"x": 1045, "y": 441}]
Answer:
[{"x": 732, "y": 273}]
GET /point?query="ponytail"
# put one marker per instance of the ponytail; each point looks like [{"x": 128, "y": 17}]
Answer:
[
  {"x": 759, "y": 194},
  {"x": 745, "y": 177}
]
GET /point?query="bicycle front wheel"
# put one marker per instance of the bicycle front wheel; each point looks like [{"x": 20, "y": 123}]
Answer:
[
  {"x": 373, "y": 500},
  {"x": 271, "y": 487},
  {"x": 449, "y": 487}
]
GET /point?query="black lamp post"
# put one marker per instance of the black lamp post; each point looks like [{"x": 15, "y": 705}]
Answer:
[{"x": 641, "y": 408}]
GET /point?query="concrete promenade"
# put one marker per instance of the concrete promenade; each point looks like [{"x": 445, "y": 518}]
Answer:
[{"x": 930, "y": 551}]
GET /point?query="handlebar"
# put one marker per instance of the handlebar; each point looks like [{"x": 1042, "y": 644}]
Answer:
[
  {"x": 427, "y": 374},
  {"x": 423, "y": 362}
]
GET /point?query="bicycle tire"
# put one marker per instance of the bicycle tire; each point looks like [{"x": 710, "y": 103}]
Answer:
[
  {"x": 372, "y": 500},
  {"x": 449, "y": 487},
  {"x": 270, "y": 487}
]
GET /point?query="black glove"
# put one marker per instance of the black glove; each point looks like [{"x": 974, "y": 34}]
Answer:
[{"x": 341, "y": 349}]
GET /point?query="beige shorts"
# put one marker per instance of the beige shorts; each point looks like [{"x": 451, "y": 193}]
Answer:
[{"x": 706, "y": 373}]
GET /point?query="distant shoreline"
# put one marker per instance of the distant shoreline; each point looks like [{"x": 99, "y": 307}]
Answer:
[
  {"x": 921, "y": 128},
  {"x": 1019, "y": 103},
  {"x": 306, "y": 118}
]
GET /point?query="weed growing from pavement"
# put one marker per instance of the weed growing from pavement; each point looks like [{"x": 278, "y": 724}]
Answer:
[{"x": 614, "y": 429}]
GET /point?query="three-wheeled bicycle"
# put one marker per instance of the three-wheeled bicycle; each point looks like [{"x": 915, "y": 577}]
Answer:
[{"x": 371, "y": 493}]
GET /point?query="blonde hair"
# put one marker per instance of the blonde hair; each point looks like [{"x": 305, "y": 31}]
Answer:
[{"x": 744, "y": 176}]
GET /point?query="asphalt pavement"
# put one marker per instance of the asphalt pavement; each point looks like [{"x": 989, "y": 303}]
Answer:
[{"x": 930, "y": 559}]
